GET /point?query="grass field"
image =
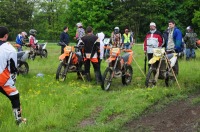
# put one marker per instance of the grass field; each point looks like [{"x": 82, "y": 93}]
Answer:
[{"x": 75, "y": 105}]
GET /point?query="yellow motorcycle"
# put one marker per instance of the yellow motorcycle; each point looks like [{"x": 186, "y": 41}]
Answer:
[{"x": 162, "y": 65}]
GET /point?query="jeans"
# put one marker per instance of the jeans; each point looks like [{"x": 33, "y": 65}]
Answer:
[
  {"x": 190, "y": 52},
  {"x": 127, "y": 46}
]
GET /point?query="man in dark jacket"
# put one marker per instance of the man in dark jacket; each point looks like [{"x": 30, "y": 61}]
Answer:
[
  {"x": 64, "y": 37},
  {"x": 91, "y": 54}
]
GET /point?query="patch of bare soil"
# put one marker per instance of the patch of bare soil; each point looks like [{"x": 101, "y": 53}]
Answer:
[
  {"x": 90, "y": 120},
  {"x": 180, "y": 116}
]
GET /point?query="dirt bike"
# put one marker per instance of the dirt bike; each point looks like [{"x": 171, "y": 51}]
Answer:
[
  {"x": 118, "y": 66},
  {"x": 162, "y": 67},
  {"x": 70, "y": 61},
  {"x": 39, "y": 50},
  {"x": 22, "y": 65}
]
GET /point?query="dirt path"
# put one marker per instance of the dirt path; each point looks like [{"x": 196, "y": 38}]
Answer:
[{"x": 179, "y": 116}]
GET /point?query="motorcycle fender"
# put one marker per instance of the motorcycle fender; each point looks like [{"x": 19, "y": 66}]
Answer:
[
  {"x": 110, "y": 59},
  {"x": 153, "y": 60},
  {"x": 62, "y": 57},
  {"x": 44, "y": 47}
]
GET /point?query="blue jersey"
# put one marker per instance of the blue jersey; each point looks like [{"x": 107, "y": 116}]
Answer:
[{"x": 19, "y": 39}]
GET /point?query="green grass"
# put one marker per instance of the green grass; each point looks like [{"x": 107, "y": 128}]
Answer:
[{"x": 75, "y": 105}]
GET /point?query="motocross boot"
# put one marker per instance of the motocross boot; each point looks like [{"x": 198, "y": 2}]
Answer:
[
  {"x": 98, "y": 77},
  {"x": 88, "y": 77},
  {"x": 18, "y": 118}
]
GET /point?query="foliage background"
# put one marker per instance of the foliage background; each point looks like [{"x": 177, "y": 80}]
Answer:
[{"x": 49, "y": 17}]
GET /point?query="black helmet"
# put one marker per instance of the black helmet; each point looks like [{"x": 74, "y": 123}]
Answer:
[{"x": 32, "y": 32}]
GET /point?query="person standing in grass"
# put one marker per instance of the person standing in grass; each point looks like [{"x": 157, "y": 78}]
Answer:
[
  {"x": 8, "y": 64},
  {"x": 126, "y": 39},
  {"x": 190, "y": 39},
  {"x": 152, "y": 40},
  {"x": 80, "y": 32},
  {"x": 174, "y": 42},
  {"x": 91, "y": 54},
  {"x": 64, "y": 37}
]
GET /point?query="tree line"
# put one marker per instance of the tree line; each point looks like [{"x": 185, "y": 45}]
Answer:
[{"x": 49, "y": 17}]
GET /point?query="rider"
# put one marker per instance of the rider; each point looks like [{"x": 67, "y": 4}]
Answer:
[
  {"x": 8, "y": 64},
  {"x": 152, "y": 40},
  {"x": 91, "y": 54},
  {"x": 20, "y": 40},
  {"x": 80, "y": 32},
  {"x": 116, "y": 37},
  {"x": 126, "y": 39},
  {"x": 190, "y": 40},
  {"x": 32, "y": 39}
]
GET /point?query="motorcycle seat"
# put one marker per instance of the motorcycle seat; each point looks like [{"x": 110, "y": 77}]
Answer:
[
  {"x": 20, "y": 54},
  {"x": 125, "y": 57}
]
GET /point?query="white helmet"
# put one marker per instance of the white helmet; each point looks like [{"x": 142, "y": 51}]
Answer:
[
  {"x": 79, "y": 24},
  {"x": 188, "y": 28},
  {"x": 24, "y": 33},
  {"x": 116, "y": 28}
]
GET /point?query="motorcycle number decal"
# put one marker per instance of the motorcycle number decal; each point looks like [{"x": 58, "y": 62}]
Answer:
[{"x": 68, "y": 48}]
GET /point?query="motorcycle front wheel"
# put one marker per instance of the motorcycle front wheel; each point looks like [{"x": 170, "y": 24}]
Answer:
[
  {"x": 44, "y": 53},
  {"x": 150, "y": 79},
  {"x": 23, "y": 68},
  {"x": 170, "y": 79},
  {"x": 62, "y": 72},
  {"x": 107, "y": 79},
  {"x": 127, "y": 75}
]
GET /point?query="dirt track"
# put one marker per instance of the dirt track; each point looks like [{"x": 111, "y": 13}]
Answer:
[{"x": 179, "y": 116}]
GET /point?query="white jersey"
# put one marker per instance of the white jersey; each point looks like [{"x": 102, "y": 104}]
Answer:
[
  {"x": 101, "y": 36},
  {"x": 7, "y": 52}
]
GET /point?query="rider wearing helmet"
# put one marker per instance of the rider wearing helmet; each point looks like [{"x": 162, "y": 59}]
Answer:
[
  {"x": 116, "y": 37},
  {"x": 32, "y": 39},
  {"x": 20, "y": 40},
  {"x": 8, "y": 64},
  {"x": 80, "y": 32},
  {"x": 190, "y": 40}
]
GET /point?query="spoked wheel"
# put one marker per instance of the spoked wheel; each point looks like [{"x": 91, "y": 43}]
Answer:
[
  {"x": 170, "y": 79},
  {"x": 150, "y": 79},
  {"x": 107, "y": 79},
  {"x": 62, "y": 72},
  {"x": 44, "y": 53},
  {"x": 23, "y": 68},
  {"x": 127, "y": 76}
]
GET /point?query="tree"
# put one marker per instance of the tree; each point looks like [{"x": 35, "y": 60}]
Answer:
[
  {"x": 16, "y": 15},
  {"x": 93, "y": 13}
]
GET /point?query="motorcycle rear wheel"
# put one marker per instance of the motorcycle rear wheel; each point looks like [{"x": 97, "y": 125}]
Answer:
[
  {"x": 23, "y": 68},
  {"x": 107, "y": 79},
  {"x": 127, "y": 76},
  {"x": 150, "y": 79},
  {"x": 62, "y": 72}
]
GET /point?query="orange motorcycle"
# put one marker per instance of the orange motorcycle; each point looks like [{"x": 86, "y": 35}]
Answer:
[
  {"x": 118, "y": 66},
  {"x": 70, "y": 61}
]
